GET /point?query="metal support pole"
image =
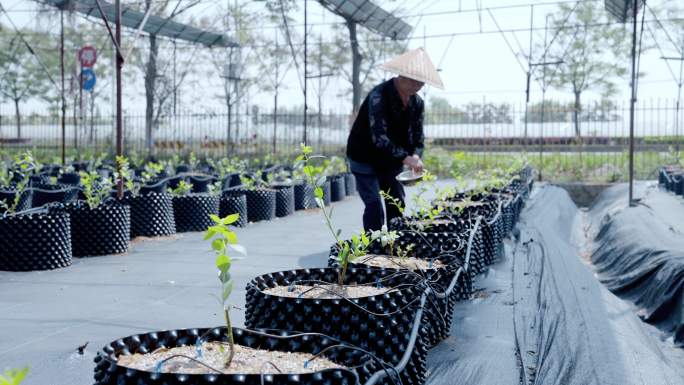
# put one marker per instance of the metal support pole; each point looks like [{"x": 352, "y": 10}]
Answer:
[
  {"x": 119, "y": 117},
  {"x": 61, "y": 68},
  {"x": 306, "y": 105},
  {"x": 635, "y": 10}
]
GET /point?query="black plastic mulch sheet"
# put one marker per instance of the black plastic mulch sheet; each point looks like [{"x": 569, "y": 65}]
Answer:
[
  {"x": 639, "y": 253},
  {"x": 541, "y": 317}
]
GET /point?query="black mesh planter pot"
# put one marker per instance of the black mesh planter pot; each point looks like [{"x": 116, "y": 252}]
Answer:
[
  {"x": 261, "y": 203},
  {"x": 304, "y": 197},
  {"x": 349, "y": 183},
  {"x": 104, "y": 230},
  {"x": 37, "y": 241},
  {"x": 438, "y": 278},
  {"x": 327, "y": 198},
  {"x": 56, "y": 194},
  {"x": 285, "y": 200},
  {"x": 380, "y": 324},
  {"x": 151, "y": 215},
  {"x": 109, "y": 372},
  {"x": 337, "y": 190},
  {"x": 191, "y": 212},
  {"x": 234, "y": 204},
  {"x": 8, "y": 196}
]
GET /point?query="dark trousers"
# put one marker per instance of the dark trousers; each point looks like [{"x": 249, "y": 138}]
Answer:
[{"x": 369, "y": 187}]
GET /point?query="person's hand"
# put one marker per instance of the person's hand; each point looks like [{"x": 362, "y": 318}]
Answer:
[{"x": 414, "y": 163}]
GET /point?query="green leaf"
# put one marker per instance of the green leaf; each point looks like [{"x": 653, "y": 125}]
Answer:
[
  {"x": 223, "y": 262},
  {"x": 230, "y": 219},
  {"x": 231, "y": 237},
  {"x": 210, "y": 233},
  {"x": 215, "y": 218},
  {"x": 218, "y": 245},
  {"x": 318, "y": 192}
]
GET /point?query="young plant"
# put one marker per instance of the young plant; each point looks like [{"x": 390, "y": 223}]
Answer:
[
  {"x": 250, "y": 183},
  {"x": 348, "y": 250},
  {"x": 26, "y": 163},
  {"x": 126, "y": 175},
  {"x": 183, "y": 188},
  {"x": 386, "y": 238},
  {"x": 151, "y": 171},
  {"x": 13, "y": 377},
  {"x": 95, "y": 191},
  {"x": 193, "y": 162},
  {"x": 224, "y": 239}
]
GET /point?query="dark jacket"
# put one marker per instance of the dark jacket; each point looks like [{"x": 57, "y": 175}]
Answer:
[{"x": 384, "y": 133}]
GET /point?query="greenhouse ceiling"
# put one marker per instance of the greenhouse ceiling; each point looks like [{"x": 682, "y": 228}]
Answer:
[
  {"x": 154, "y": 25},
  {"x": 371, "y": 16}
]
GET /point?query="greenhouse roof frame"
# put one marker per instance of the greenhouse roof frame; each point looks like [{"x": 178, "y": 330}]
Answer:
[
  {"x": 371, "y": 16},
  {"x": 154, "y": 25}
]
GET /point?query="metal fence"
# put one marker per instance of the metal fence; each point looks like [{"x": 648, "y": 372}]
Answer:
[{"x": 489, "y": 133}]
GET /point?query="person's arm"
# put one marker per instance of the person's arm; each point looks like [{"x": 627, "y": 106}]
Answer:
[{"x": 378, "y": 128}]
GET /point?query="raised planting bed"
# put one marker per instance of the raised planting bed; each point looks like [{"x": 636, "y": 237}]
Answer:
[
  {"x": 375, "y": 311},
  {"x": 274, "y": 357},
  {"x": 103, "y": 230},
  {"x": 191, "y": 212},
  {"x": 151, "y": 215},
  {"x": 232, "y": 203},
  {"x": 35, "y": 240}
]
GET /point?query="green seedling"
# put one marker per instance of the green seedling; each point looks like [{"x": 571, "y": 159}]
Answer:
[
  {"x": 13, "y": 376},
  {"x": 314, "y": 176},
  {"x": 26, "y": 163},
  {"x": 183, "y": 188},
  {"x": 152, "y": 170},
  {"x": 126, "y": 175},
  {"x": 222, "y": 240},
  {"x": 386, "y": 238},
  {"x": 95, "y": 191}
]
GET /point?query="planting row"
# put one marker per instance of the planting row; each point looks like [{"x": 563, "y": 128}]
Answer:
[
  {"x": 49, "y": 214},
  {"x": 369, "y": 318}
]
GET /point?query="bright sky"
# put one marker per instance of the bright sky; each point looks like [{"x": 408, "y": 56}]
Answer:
[{"x": 476, "y": 62}]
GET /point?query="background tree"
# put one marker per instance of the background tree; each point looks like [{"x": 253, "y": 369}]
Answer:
[
  {"x": 21, "y": 77},
  {"x": 360, "y": 67},
  {"x": 594, "y": 51}
]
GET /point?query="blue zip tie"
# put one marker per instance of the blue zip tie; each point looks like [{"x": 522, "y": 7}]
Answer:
[
  {"x": 198, "y": 348},
  {"x": 158, "y": 366}
]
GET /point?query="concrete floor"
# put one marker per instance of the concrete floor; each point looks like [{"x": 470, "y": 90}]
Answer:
[{"x": 160, "y": 284}]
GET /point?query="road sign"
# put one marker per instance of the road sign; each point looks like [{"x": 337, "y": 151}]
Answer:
[
  {"x": 87, "y": 56},
  {"x": 88, "y": 79}
]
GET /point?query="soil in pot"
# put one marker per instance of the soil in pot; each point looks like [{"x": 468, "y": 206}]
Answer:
[
  {"x": 135, "y": 359},
  {"x": 389, "y": 262},
  {"x": 326, "y": 291},
  {"x": 246, "y": 360}
]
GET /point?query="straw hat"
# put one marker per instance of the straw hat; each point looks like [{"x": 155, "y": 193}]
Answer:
[{"x": 415, "y": 64}]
